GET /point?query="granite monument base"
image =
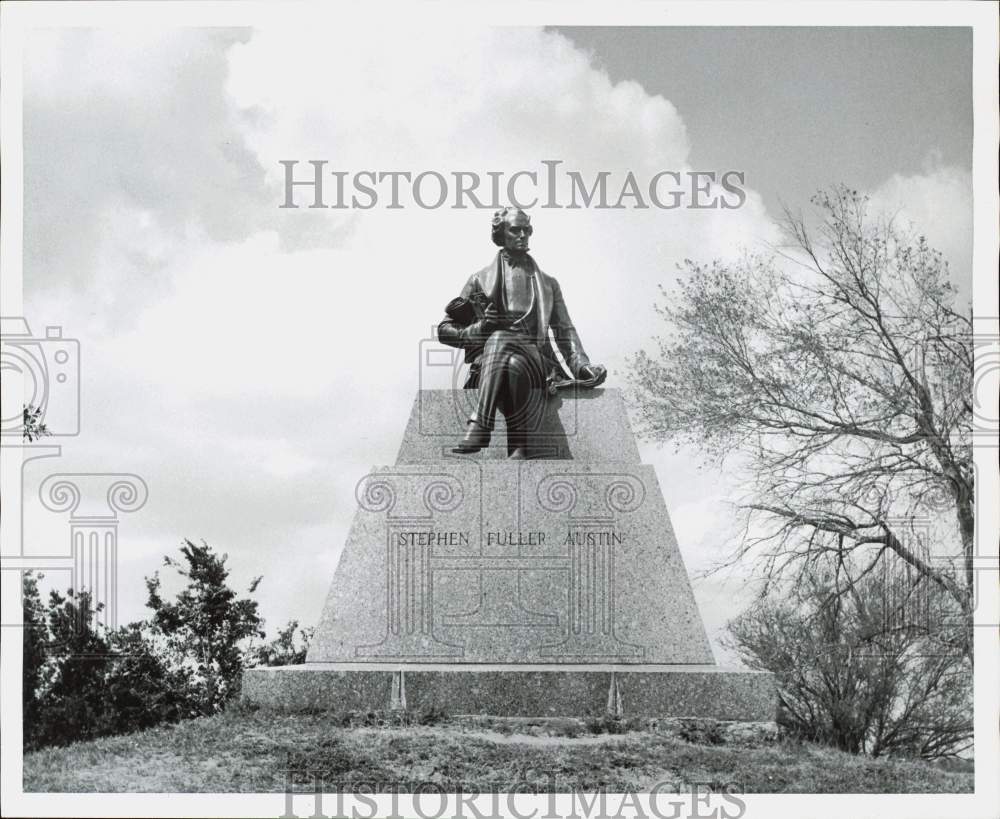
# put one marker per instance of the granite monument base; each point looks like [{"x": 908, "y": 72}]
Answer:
[{"x": 550, "y": 587}]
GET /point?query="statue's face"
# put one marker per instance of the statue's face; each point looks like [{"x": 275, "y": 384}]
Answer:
[{"x": 516, "y": 231}]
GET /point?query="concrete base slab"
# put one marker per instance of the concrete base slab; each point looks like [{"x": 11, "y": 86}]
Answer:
[{"x": 518, "y": 689}]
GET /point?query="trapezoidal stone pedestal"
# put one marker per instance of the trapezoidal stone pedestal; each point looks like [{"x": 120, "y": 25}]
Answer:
[{"x": 546, "y": 587}]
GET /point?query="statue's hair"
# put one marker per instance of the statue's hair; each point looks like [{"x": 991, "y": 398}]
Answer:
[{"x": 500, "y": 218}]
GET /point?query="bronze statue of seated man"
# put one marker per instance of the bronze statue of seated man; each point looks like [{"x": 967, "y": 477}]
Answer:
[{"x": 507, "y": 318}]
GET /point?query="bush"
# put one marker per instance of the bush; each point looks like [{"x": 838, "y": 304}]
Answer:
[
  {"x": 207, "y": 627},
  {"x": 871, "y": 671},
  {"x": 82, "y": 680},
  {"x": 285, "y": 649},
  {"x": 68, "y": 702},
  {"x": 142, "y": 689},
  {"x": 701, "y": 732}
]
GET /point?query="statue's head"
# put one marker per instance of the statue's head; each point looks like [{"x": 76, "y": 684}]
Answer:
[{"x": 511, "y": 228}]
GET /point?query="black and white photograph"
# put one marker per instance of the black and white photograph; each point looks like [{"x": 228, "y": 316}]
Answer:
[{"x": 513, "y": 410}]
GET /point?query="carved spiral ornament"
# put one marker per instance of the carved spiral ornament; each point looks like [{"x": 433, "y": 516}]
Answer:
[
  {"x": 59, "y": 494},
  {"x": 375, "y": 494},
  {"x": 127, "y": 494},
  {"x": 557, "y": 496},
  {"x": 442, "y": 495},
  {"x": 625, "y": 495}
]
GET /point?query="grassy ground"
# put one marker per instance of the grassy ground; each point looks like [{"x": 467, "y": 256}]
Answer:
[{"x": 246, "y": 752}]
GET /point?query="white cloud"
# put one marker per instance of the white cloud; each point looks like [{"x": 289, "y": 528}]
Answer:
[
  {"x": 937, "y": 204},
  {"x": 132, "y": 154}
]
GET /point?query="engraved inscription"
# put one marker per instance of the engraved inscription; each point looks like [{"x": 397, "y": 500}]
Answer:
[{"x": 432, "y": 538}]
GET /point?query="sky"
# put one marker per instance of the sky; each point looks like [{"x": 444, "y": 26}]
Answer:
[
  {"x": 802, "y": 108},
  {"x": 252, "y": 363}
]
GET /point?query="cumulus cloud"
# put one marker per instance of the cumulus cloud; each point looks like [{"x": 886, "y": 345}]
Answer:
[
  {"x": 490, "y": 99},
  {"x": 936, "y": 203},
  {"x": 132, "y": 152}
]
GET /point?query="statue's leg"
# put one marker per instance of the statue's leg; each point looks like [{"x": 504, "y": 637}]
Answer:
[
  {"x": 524, "y": 397},
  {"x": 511, "y": 378},
  {"x": 493, "y": 383}
]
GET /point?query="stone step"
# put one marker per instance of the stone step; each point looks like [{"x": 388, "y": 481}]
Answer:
[{"x": 708, "y": 692}]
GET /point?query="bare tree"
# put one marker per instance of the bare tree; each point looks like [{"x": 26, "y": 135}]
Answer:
[
  {"x": 838, "y": 373},
  {"x": 864, "y": 670}
]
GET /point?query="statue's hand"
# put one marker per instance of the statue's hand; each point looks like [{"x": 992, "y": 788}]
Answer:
[
  {"x": 479, "y": 331},
  {"x": 493, "y": 321},
  {"x": 594, "y": 372}
]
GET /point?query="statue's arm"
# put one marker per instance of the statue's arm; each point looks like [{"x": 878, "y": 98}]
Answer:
[
  {"x": 452, "y": 332},
  {"x": 566, "y": 337}
]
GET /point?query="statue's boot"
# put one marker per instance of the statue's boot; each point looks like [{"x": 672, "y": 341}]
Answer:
[
  {"x": 476, "y": 437},
  {"x": 517, "y": 444}
]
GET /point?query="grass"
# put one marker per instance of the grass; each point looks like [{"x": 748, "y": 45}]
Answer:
[{"x": 257, "y": 751}]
